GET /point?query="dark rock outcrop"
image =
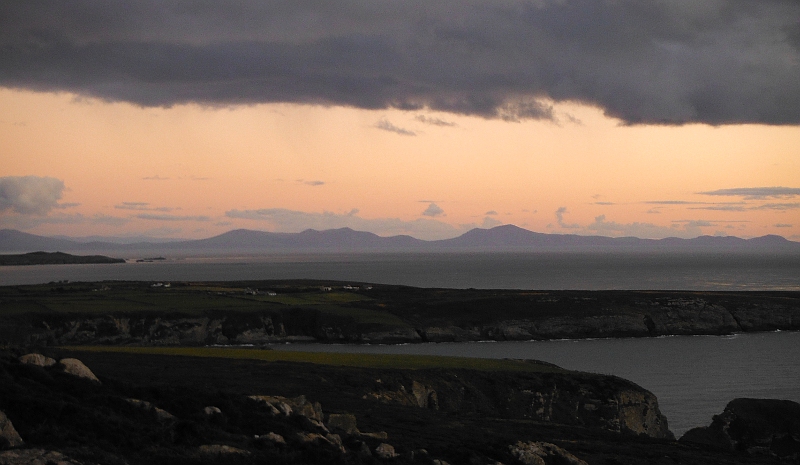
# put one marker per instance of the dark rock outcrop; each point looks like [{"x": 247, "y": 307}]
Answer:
[
  {"x": 75, "y": 367},
  {"x": 608, "y": 403},
  {"x": 8, "y": 435},
  {"x": 755, "y": 426}
]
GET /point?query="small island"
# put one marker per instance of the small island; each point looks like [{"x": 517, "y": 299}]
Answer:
[{"x": 54, "y": 258}]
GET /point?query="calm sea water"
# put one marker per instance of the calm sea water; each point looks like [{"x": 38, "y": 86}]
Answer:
[
  {"x": 479, "y": 270},
  {"x": 694, "y": 377}
]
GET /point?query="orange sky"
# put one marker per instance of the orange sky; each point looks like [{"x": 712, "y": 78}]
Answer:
[{"x": 189, "y": 171}]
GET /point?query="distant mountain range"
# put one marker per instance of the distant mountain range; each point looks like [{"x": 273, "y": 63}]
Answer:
[{"x": 500, "y": 238}]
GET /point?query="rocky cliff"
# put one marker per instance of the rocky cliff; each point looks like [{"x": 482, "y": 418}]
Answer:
[
  {"x": 82, "y": 314},
  {"x": 569, "y": 398},
  {"x": 760, "y": 427}
]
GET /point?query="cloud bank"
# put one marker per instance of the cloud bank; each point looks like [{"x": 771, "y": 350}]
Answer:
[
  {"x": 654, "y": 62},
  {"x": 30, "y": 195}
]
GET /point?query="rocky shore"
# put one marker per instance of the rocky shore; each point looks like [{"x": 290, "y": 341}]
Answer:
[{"x": 585, "y": 316}]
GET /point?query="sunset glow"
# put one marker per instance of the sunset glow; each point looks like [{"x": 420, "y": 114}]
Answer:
[{"x": 193, "y": 170}]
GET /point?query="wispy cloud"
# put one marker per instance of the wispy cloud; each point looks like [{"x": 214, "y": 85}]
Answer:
[
  {"x": 434, "y": 121},
  {"x": 141, "y": 206},
  {"x": 386, "y": 125},
  {"x": 311, "y": 183},
  {"x": 756, "y": 193},
  {"x": 150, "y": 216},
  {"x": 778, "y": 206},
  {"x": 155, "y": 178}
]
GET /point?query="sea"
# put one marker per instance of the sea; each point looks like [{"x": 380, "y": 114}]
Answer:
[{"x": 692, "y": 376}]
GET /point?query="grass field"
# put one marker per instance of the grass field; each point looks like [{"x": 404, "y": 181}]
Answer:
[{"x": 336, "y": 359}]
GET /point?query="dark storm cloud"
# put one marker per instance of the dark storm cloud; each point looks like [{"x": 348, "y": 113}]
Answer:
[{"x": 662, "y": 62}]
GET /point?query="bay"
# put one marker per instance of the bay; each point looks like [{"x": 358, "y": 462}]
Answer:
[
  {"x": 693, "y": 377},
  {"x": 565, "y": 270}
]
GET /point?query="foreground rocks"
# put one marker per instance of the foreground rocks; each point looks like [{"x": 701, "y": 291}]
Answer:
[
  {"x": 765, "y": 427},
  {"x": 414, "y": 417}
]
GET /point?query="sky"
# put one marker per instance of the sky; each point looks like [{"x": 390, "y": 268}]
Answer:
[{"x": 168, "y": 118}]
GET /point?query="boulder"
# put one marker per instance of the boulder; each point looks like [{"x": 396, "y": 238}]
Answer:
[
  {"x": 161, "y": 414},
  {"x": 343, "y": 423},
  {"x": 755, "y": 426},
  {"x": 8, "y": 434},
  {"x": 38, "y": 360},
  {"x": 543, "y": 453},
  {"x": 75, "y": 367},
  {"x": 385, "y": 451},
  {"x": 275, "y": 438},
  {"x": 211, "y": 411}
]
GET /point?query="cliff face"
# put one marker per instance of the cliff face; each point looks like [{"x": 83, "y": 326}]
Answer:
[
  {"x": 592, "y": 401},
  {"x": 639, "y": 318}
]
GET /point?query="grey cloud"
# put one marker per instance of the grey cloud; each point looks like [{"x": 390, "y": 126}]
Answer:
[
  {"x": 489, "y": 222},
  {"x": 697, "y": 223},
  {"x": 150, "y": 216},
  {"x": 664, "y": 62},
  {"x": 604, "y": 203},
  {"x": 154, "y": 178},
  {"x": 722, "y": 207},
  {"x": 433, "y": 121},
  {"x": 671, "y": 202},
  {"x": 27, "y": 222},
  {"x": 30, "y": 195},
  {"x": 284, "y": 220},
  {"x": 783, "y": 225},
  {"x": 433, "y": 210},
  {"x": 490, "y": 213},
  {"x": 311, "y": 183},
  {"x": 560, "y": 219},
  {"x": 386, "y": 125},
  {"x": 757, "y": 192}
]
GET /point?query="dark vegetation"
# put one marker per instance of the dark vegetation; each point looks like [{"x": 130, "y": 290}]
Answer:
[{"x": 54, "y": 258}]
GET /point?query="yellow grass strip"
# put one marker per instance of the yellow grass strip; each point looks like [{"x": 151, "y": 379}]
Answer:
[{"x": 334, "y": 359}]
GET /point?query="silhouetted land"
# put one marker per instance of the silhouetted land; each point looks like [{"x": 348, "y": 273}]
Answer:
[{"x": 54, "y": 258}]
